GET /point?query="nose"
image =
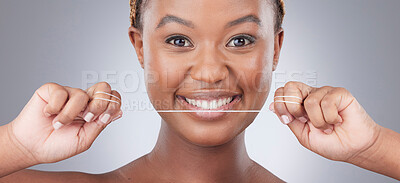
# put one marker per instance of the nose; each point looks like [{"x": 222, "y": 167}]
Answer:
[{"x": 210, "y": 66}]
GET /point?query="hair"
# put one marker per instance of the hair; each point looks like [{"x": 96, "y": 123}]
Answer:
[{"x": 137, "y": 7}]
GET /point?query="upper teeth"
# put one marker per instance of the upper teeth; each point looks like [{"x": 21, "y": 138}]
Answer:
[{"x": 209, "y": 104}]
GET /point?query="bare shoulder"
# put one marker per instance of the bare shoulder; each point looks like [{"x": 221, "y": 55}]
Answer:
[
  {"x": 35, "y": 176},
  {"x": 259, "y": 174},
  {"x": 121, "y": 175}
]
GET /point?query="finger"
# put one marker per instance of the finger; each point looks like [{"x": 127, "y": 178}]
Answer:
[
  {"x": 120, "y": 113},
  {"x": 301, "y": 131},
  {"x": 112, "y": 113},
  {"x": 271, "y": 107},
  {"x": 293, "y": 95},
  {"x": 98, "y": 101},
  {"x": 280, "y": 108},
  {"x": 291, "y": 98},
  {"x": 312, "y": 105},
  {"x": 58, "y": 97},
  {"x": 113, "y": 108},
  {"x": 330, "y": 105},
  {"x": 78, "y": 100}
]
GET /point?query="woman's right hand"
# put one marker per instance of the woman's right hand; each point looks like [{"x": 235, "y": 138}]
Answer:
[{"x": 59, "y": 122}]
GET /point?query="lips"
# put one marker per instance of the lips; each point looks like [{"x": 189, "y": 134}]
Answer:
[{"x": 209, "y": 105}]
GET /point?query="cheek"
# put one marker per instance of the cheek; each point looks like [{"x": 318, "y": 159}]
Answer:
[
  {"x": 163, "y": 75},
  {"x": 254, "y": 71}
]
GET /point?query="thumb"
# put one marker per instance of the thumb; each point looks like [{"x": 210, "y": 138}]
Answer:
[{"x": 301, "y": 131}]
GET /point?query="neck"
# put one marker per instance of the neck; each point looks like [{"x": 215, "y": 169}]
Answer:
[{"x": 176, "y": 158}]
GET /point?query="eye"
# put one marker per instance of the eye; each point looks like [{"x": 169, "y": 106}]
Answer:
[
  {"x": 241, "y": 41},
  {"x": 179, "y": 41}
]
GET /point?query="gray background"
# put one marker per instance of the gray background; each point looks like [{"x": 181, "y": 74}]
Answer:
[{"x": 352, "y": 44}]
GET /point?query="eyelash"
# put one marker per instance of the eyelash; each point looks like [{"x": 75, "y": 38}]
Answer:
[
  {"x": 175, "y": 37},
  {"x": 249, "y": 38}
]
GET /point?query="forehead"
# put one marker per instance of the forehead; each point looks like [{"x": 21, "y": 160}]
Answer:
[{"x": 210, "y": 12}]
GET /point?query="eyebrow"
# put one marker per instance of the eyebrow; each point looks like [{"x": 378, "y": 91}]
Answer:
[
  {"x": 172, "y": 18},
  {"x": 248, "y": 18}
]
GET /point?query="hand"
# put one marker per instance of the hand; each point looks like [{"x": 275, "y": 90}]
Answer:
[
  {"x": 59, "y": 121},
  {"x": 328, "y": 120}
]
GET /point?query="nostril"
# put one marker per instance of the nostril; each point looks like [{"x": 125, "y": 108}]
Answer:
[{"x": 210, "y": 73}]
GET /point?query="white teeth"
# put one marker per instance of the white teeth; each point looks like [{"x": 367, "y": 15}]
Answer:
[
  {"x": 198, "y": 103},
  {"x": 220, "y": 102},
  {"x": 204, "y": 104},
  {"x": 213, "y": 104}
]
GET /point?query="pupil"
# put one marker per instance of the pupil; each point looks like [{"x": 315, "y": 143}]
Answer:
[
  {"x": 180, "y": 42},
  {"x": 239, "y": 41}
]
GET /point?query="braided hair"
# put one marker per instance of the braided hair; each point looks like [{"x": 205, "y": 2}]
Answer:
[{"x": 137, "y": 5}]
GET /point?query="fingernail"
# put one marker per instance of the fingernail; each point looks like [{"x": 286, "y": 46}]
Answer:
[
  {"x": 285, "y": 119},
  {"x": 271, "y": 107},
  {"x": 57, "y": 125},
  {"x": 303, "y": 119},
  {"x": 328, "y": 131},
  {"x": 88, "y": 117},
  {"x": 105, "y": 118}
]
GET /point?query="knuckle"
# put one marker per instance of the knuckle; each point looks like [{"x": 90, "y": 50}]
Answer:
[
  {"x": 291, "y": 84},
  {"x": 294, "y": 109},
  {"x": 113, "y": 107},
  {"x": 60, "y": 93},
  {"x": 112, "y": 110},
  {"x": 100, "y": 105},
  {"x": 326, "y": 102},
  {"x": 51, "y": 84},
  {"x": 341, "y": 90},
  {"x": 104, "y": 84},
  {"x": 279, "y": 90},
  {"x": 82, "y": 95},
  {"x": 116, "y": 93},
  {"x": 326, "y": 87},
  {"x": 311, "y": 101}
]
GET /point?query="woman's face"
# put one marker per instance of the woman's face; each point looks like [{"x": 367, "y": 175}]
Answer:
[{"x": 208, "y": 55}]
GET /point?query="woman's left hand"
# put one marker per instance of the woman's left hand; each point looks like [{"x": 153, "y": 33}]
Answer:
[{"x": 328, "y": 120}]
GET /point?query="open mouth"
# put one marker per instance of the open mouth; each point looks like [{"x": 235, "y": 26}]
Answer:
[
  {"x": 209, "y": 105},
  {"x": 219, "y": 103}
]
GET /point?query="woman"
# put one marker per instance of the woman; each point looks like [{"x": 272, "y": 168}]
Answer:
[{"x": 203, "y": 56}]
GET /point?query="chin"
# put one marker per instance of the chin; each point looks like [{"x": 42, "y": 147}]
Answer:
[
  {"x": 210, "y": 133},
  {"x": 210, "y": 138}
]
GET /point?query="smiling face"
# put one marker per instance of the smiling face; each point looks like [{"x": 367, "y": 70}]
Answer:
[{"x": 208, "y": 55}]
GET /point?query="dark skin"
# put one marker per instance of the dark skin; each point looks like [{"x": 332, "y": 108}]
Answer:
[
  {"x": 189, "y": 52},
  {"x": 192, "y": 148},
  {"x": 189, "y": 148}
]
